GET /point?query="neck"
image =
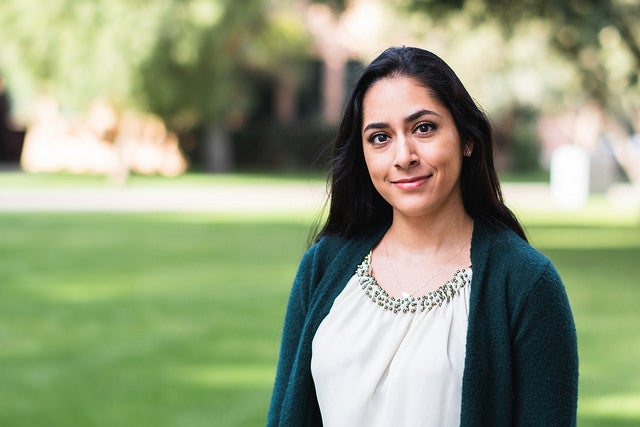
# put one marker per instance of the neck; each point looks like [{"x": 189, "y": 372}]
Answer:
[{"x": 431, "y": 234}]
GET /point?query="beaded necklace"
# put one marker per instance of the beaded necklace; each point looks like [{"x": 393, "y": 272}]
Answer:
[{"x": 412, "y": 293}]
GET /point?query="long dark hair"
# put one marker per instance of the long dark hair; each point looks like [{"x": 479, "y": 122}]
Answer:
[{"x": 355, "y": 205}]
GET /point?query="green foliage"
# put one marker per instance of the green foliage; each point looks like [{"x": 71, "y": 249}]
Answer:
[
  {"x": 337, "y": 6},
  {"x": 201, "y": 48},
  {"x": 78, "y": 50},
  {"x": 181, "y": 59},
  {"x": 523, "y": 148},
  {"x": 585, "y": 32}
]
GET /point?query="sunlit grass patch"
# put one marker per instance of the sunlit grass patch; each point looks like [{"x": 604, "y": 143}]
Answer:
[
  {"x": 599, "y": 211},
  {"x": 584, "y": 237},
  {"x": 222, "y": 376},
  {"x": 617, "y": 409}
]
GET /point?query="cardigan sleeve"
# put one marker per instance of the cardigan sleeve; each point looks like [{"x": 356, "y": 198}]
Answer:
[
  {"x": 545, "y": 355},
  {"x": 292, "y": 331},
  {"x": 324, "y": 270}
]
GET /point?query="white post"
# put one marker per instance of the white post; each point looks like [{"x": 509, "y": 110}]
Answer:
[{"x": 570, "y": 176}]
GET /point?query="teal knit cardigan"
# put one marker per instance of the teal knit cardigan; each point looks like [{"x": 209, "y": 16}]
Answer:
[{"x": 521, "y": 362}]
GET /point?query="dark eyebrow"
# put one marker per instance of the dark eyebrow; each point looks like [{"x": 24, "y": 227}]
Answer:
[
  {"x": 419, "y": 114},
  {"x": 409, "y": 119},
  {"x": 378, "y": 125}
]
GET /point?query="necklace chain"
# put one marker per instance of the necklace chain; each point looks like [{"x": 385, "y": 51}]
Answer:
[{"x": 412, "y": 293}]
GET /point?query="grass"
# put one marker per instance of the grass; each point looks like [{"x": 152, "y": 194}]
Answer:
[
  {"x": 144, "y": 320},
  {"x": 174, "y": 319}
]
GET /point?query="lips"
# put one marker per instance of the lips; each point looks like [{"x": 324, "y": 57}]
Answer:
[{"x": 412, "y": 183}]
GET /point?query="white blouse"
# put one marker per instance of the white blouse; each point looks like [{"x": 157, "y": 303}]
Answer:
[{"x": 383, "y": 361}]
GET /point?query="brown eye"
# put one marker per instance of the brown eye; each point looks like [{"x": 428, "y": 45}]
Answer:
[
  {"x": 424, "y": 127},
  {"x": 378, "y": 138}
]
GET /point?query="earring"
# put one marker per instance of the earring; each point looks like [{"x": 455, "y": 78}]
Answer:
[{"x": 467, "y": 152}]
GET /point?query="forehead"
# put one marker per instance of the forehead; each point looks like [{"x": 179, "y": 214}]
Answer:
[{"x": 398, "y": 96}]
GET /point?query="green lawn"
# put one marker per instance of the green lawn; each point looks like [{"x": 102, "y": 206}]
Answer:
[
  {"x": 140, "y": 320},
  {"x": 174, "y": 319}
]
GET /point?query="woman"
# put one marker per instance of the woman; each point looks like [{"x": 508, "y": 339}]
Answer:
[{"x": 421, "y": 302}]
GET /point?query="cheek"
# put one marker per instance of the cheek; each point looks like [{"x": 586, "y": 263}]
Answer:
[
  {"x": 447, "y": 155},
  {"x": 375, "y": 166}
]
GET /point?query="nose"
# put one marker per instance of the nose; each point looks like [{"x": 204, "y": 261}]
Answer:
[{"x": 405, "y": 156}]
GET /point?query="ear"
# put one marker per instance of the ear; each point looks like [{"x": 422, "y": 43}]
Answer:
[{"x": 468, "y": 149}]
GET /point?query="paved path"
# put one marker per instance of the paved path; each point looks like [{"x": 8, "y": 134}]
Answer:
[
  {"x": 228, "y": 198},
  {"x": 220, "y": 199}
]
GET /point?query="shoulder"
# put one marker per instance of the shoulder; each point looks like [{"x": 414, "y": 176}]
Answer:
[
  {"x": 335, "y": 255},
  {"x": 325, "y": 267},
  {"x": 329, "y": 250},
  {"x": 512, "y": 261},
  {"x": 323, "y": 252},
  {"x": 502, "y": 247}
]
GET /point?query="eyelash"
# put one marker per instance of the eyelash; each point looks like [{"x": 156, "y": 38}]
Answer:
[
  {"x": 430, "y": 125},
  {"x": 373, "y": 139}
]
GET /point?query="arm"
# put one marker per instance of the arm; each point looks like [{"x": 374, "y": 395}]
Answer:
[
  {"x": 545, "y": 355},
  {"x": 323, "y": 272},
  {"x": 292, "y": 332}
]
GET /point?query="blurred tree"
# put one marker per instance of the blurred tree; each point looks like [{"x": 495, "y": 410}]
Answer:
[
  {"x": 337, "y": 6},
  {"x": 185, "y": 60},
  {"x": 577, "y": 28},
  {"x": 193, "y": 74},
  {"x": 599, "y": 39}
]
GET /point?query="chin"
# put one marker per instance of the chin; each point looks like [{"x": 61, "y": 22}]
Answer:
[{"x": 413, "y": 211}]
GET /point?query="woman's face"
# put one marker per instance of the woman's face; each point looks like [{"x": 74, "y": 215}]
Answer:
[{"x": 412, "y": 148}]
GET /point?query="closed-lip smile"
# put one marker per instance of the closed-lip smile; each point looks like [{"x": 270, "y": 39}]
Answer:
[{"x": 411, "y": 183}]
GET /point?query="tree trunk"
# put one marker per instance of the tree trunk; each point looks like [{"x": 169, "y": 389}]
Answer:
[
  {"x": 285, "y": 98},
  {"x": 333, "y": 86}
]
